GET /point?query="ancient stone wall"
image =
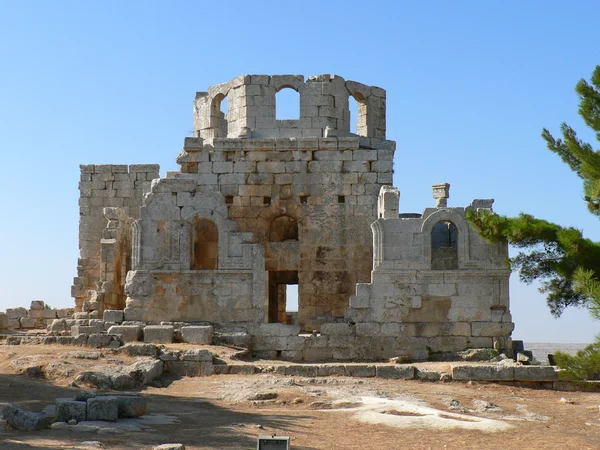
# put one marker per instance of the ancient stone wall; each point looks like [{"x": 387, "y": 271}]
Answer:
[
  {"x": 102, "y": 186},
  {"x": 251, "y": 101}
]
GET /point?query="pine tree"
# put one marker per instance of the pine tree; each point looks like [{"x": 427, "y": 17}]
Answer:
[{"x": 565, "y": 263}]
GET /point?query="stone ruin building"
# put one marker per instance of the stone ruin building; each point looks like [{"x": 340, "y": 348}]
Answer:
[{"x": 260, "y": 204}]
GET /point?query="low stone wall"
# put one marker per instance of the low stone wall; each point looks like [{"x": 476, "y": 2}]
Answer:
[{"x": 37, "y": 316}]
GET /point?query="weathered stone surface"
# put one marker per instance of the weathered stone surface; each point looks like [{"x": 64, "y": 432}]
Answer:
[
  {"x": 148, "y": 369},
  {"x": 395, "y": 372},
  {"x": 535, "y": 373},
  {"x": 113, "y": 315},
  {"x": 98, "y": 340},
  {"x": 83, "y": 396},
  {"x": 158, "y": 334},
  {"x": 169, "y": 447},
  {"x": 197, "y": 334},
  {"x": 24, "y": 420},
  {"x": 70, "y": 409},
  {"x": 360, "y": 370},
  {"x": 103, "y": 408},
  {"x": 197, "y": 354},
  {"x": 190, "y": 368},
  {"x": 3, "y": 321},
  {"x": 132, "y": 406},
  {"x": 140, "y": 350},
  {"x": 489, "y": 372},
  {"x": 128, "y": 333}
]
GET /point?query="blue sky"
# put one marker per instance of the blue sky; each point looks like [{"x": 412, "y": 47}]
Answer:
[{"x": 470, "y": 85}]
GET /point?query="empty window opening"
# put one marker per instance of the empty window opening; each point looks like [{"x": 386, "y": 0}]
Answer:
[
  {"x": 341, "y": 199},
  {"x": 266, "y": 200},
  {"x": 283, "y": 297},
  {"x": 229, "y": 199},
  {"x": 205, "y": 248},
  {"x": 283, "y": 228},
  {"x": 358, "y": 114},
  {"x": 304, "y": 199},
  {"x": 444, "y": 246},
  {"x": 287, "y": 104},
  {"x": 219, "y": 111}
]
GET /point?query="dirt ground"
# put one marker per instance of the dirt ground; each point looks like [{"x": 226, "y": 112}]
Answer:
[{"x": 223, "y": 412}]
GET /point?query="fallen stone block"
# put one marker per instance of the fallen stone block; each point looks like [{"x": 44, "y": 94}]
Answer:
[
  {"x": 147, "y": 369},
  {"x": 113, "y": 315},
  {"x": 94, "y": 379},
  {"x": 535, "y": 373},
  {"x": 28, "y": 322},
  {"x": 169, "y": 447},
  {"x": 396, "y": 372},
  {"x": 70, "y": 409},
  {"x": 103, "y": 408},
  {"x": 25, "y": 420},
  {"x": 98, "y": 340},
  {"x": 158, "y": 334},
  {"x": 427, "y": 374},
  {"x": 132, "y": 406},
  {"x": 140, "y": 350},
  {"x": 197, "y": 354},
  {"x": 197, "y": 334},
  {"x": 128, "y": 333},
  {"x": 190, "y": 368}
]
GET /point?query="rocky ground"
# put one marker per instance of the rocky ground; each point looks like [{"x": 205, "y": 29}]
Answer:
[{"x": 230, "y": 411}]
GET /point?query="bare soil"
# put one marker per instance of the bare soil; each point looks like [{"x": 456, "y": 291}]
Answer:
[{"x": 230, "y": 411}]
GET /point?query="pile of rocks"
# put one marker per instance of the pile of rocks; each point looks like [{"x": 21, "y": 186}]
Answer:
[
  {"x": 85, "y": 406},
  {"x": 37, "y": 316}
]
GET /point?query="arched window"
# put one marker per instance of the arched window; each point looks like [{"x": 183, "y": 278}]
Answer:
[
  {"x": 358, "y": 114},
  {"x": 218, "y": 113},
  {"x": 287, "y": 104},
  {"x": 444, "y": 246},
  {"x": 283, "y": 228},
  {"x": 205, "y": 248}
]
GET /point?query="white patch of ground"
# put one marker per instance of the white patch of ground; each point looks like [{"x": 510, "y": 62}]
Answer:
[{"x": 410, "y": 414}]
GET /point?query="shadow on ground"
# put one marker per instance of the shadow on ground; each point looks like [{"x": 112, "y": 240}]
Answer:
[{"x": 203, "y": 423}]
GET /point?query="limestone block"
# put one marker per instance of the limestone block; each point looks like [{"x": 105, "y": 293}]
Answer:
[
  {"x": 337, "y": 329},
  {"x": 37, "y": 304},
  {"x": 535, "y": 373},
  {"x": 197, "y": 354},
  {"x": 488, "y": 372},
  {"x": 99, "y": 340},
  {"x": 148, "y": 369},
  {"x": 360, "y": 370},
  {"x": 76, "y": 330},
  {"x": 80, "y": 339},
  {"x": 65, "y": 340},
  {"x": 300, "y": 370},
  {"x": 113, "y": 315},
  {"x": 131, "y": 406},
  {"x": 49, "y": 314},
  {"x": 128, "y": 333},
  {"x": 140, "y": 350},
  {"x": 3, "y": 321},
  {"x": 25, "y": 420},
  {"x": 14, "y": 324},
  {"x": 368, "y": 329},
  {"x": 158, "y": 334},
  {"x": 327, "y": 370},
  {"x": 28, "y": 322},
  {"x": 69, "y": 409},
  {"x": 16, "y": 313},
  {"x": 197, "y": 334},
  {"x": 189, "y": 368},
  {"x": 275, "y": 329},
  {"x": 395, "y": 372},
  {"x": 492, "y": 328},
  {"x": 427, "y": 374},
  {"x": 103, "y": 408}
]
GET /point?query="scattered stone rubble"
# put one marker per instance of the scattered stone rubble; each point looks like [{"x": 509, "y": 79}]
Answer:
[
  {"x": 85, "y": 406},
  {"x": 37, "y": 316}
]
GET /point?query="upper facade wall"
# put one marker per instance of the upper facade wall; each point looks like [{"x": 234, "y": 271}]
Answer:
[{"x": 323, "y": 104}]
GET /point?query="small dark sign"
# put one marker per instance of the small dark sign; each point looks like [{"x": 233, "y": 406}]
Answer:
[{"x": 273, "y": 443}]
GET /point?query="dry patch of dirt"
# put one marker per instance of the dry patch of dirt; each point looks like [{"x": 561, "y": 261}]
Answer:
[{"x": 230, "y": 411}]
